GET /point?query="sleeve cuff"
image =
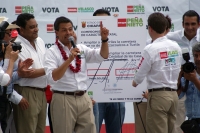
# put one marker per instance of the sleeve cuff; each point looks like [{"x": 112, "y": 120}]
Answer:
[
  {"x": 15, "y": 97},
  {"x": 5, "y": 79}
]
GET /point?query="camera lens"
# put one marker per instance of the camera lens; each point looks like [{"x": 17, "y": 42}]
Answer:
[{"x": 188, "y": 67}]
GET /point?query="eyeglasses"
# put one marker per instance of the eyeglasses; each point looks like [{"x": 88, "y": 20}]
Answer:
[{"x": 8, "y": 33}]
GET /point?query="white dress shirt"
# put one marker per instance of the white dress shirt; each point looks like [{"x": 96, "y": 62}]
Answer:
[
  {"x": 183, "y": 42},
  {"x": 28, "y": 51},
  {"x": 161, "y": 64},
  {"x": 15, "y": 97},
  {"x": 70, "y": 81},
  {"x": 149, "y": 41},
  {"x": 4, "y": 77}
]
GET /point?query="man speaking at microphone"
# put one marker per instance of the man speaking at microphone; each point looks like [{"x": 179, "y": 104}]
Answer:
[{"x": 71, "y": 107}]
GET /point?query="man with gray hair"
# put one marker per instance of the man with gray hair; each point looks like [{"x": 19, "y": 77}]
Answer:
[
  {"x": 186, "y": 38},
  {"x": 192, "y": 92}
]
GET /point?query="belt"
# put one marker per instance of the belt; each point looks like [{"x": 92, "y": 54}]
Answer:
[
  {"x": 36, "y": 88},
  {"x": 161, "y": 89},
  {"x": 77, "y": 93}
]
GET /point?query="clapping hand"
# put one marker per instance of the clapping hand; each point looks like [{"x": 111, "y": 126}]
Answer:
[{"x": 23, "y": 68}]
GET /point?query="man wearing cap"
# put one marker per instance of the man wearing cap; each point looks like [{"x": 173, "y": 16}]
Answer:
[
  {"x": 10, "y": 32},
  {"x": 23, "y": 72},
  {"x": 5, "y": 76}
]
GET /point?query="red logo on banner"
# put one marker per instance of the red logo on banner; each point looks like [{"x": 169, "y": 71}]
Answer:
[
  {"x": 129, "y": 8},
  {"x": 72, "y": 9},
  {"x": 163, "y": 55},
  {"x": 50, "y": 28},
  {"x": 18, "y": 9},
  {"x": 121, "y": 22}
]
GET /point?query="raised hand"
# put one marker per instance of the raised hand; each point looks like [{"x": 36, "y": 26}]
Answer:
[
  {"x": 8, "y": 50},
  {"x": 104, "y": 32},
  {"x": 14, "y": 55},
  {"x": 23, "y": 68}
]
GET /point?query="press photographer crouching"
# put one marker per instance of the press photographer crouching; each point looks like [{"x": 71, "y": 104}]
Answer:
[{"x": 192, "y": 93}]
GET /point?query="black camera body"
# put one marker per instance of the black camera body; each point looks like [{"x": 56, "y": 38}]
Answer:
[{"x": 188, "y": 66}]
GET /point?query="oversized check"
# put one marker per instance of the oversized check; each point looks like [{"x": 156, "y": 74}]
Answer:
[{"x": 111, "y": 81}]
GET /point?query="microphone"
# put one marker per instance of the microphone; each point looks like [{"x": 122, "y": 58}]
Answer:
[{"x": 71, "y": 39}]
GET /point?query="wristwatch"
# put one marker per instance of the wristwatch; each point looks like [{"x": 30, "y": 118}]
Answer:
[{"x": 105, "y": 40}]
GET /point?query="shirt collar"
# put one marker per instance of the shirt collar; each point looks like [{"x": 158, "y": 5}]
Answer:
[
  {"x": 196, "y": 36},
  {"x": 24, "y": 39},
  {"x": 63, "y": 45},
  {"x": 159, "y": 39}
]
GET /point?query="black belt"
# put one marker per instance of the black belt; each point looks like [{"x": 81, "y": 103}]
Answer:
[
  {"x": 77, "y": 93},
  {"x": 161, "y": 89},
  {"x": 34, "y": 88}
]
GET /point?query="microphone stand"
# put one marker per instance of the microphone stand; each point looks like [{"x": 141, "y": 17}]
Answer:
[
  {"x": 137, "y": 103},
  {"x": 120, "y": 121}
]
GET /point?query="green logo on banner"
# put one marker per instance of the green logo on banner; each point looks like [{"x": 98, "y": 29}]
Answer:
[
  {"x": 134, "y": 22},
  {"x": 86, "y": 9},
  {"x": 27, "y": 9},
  {"x": 90, "y": 93}
]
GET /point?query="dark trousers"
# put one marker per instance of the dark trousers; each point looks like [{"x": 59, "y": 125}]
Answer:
[
  {"x": 5, "y": 110},
  {"x": 49, "y": 116}
]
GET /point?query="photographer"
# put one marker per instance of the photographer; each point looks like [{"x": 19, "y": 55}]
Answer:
[
  {"x": 23, "y": 71},
  {"x": 4, "y": 81},
  {"x": 186, "y": 38},
  {"x": 192, "y": 104}
]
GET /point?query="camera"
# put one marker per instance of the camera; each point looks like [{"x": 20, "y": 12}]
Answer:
[
  {"x": 15, "y": 45},
  {"x": 188, "y": 66}
]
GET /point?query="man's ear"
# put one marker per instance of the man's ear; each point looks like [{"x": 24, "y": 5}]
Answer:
[
  {"x": 149, "y": 28},
  {"x": 56, "y": 32},
  {"x": 21, "y": 30}
]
